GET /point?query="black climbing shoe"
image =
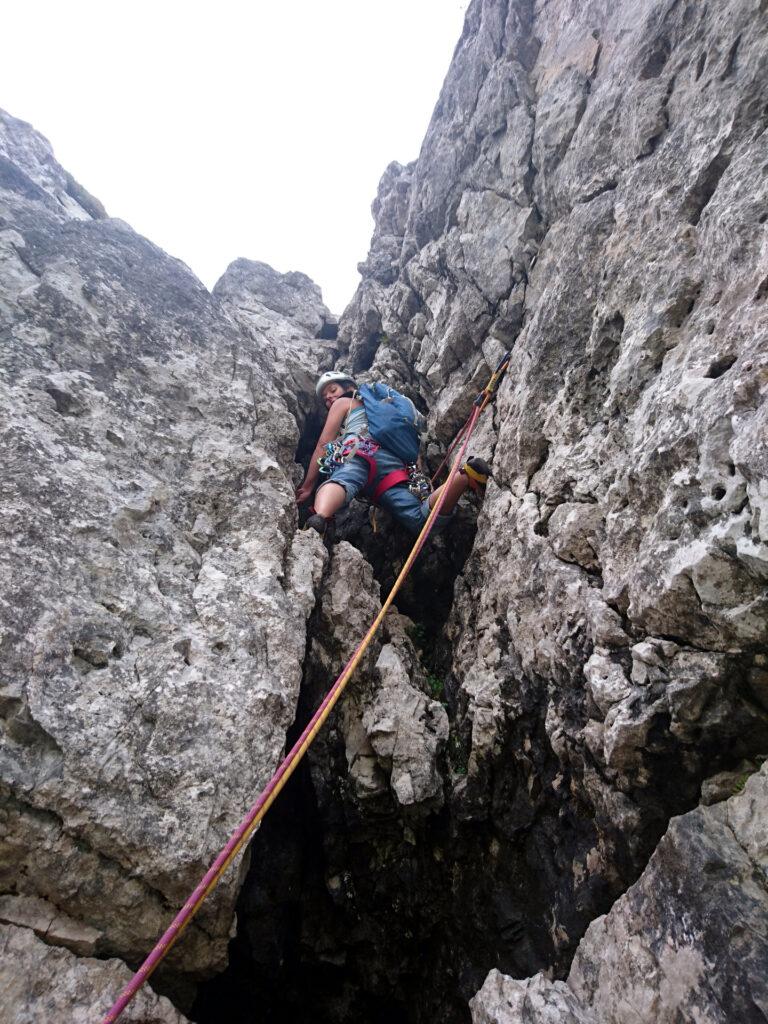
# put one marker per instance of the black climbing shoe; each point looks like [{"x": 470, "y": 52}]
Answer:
[
  {"x": 317, "y": 522},
  {"x": 478, "y": 471}
]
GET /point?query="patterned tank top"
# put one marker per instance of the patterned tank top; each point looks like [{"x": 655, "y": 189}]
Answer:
[{"x": 356, "y": 424}]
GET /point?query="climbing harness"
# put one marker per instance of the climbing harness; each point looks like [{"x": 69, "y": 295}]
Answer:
[
  {"x": 344, "y": 448},
  {"x": 418, "y": 484},
  {"x": 269, "y": 794}
]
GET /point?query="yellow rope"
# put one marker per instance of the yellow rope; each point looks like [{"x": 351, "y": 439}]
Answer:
[{"x": 287, "y": 768}]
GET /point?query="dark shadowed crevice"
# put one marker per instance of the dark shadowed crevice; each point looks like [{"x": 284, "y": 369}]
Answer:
[
  {"x": 330, "y": 329},
  {"x": 705, "y": 187},
  {"x": 346, "y": 916},
  {"x": 656, "y": 58},
  {"x": 286, "y": 963},
  {"x": 342, "y": 920},
  {"x": 365, "y": 352},
  {"x": 720, "y": 366}
]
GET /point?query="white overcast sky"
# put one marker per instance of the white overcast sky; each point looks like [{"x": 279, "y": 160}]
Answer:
[{"x": 233, "y": 129}]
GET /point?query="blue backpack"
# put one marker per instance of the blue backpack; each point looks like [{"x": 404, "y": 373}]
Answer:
[{"x": 393, "y": 420}]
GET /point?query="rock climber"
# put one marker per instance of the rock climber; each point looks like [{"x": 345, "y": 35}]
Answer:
[{"x": 354, "y": 461}]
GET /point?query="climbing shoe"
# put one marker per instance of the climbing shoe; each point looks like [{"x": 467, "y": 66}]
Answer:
[
  {"x": 317, "y": 522},
  {"x": 477, "y": 472}
]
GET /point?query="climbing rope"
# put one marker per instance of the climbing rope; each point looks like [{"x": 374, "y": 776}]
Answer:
[
  {"x": 277, "y": 782},
  {"x": 480, "y": 402}
]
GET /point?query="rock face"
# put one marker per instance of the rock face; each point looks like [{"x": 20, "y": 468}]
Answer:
[
  {"x": 283, "y": 318},
  {"x": 154, "y": 590},
  {"x": 38, "y": 982},
  {"x": 501, "y": 777},
  {"x": 503, "y": 1000},
  {"x": 689, "y": 938},
  {"x": 692, "y": 931},
  {"x": 591, "y": 192}
]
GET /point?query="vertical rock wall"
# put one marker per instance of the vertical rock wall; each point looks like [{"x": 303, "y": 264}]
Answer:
[
  {"x": 591, "y": 192},
  {"x": 154, "y": 591}
]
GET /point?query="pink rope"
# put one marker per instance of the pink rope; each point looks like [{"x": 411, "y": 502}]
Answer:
[
  {"x": 448, "y": 453},
  {"x": 289, "y": 763}
]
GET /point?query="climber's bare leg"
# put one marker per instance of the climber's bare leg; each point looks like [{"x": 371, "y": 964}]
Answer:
[
  {"x": 456, "y": 488},
  {"x": 329, "y": 499}
]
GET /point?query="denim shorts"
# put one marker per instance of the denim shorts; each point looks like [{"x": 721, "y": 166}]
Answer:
[{"x": 410, "y": 511}]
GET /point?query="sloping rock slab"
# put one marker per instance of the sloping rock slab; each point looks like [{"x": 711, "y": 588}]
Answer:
[{"x": 42, "y": 983}]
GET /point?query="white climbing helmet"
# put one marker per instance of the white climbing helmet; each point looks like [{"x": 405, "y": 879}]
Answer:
[{"x": 332, "y": 377}]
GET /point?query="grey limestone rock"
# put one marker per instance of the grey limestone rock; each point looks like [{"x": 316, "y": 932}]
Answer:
[
  {"x": 154, "y": 590},
  {"x": 26, "y": 160},
  {"x": 690, "y": 936},
  {"x": 688, "y": 941},
  {"x": 392, "y": 731},
  {"x": 39, "y": 982},
  {"x": 283, "y": 301},
  {"x": 285, "y": 320},
  {"x": 504, "y": 1000},
  {"x": 591, "y": 193}
]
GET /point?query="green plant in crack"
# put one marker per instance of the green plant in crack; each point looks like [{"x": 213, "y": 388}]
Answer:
[
  {"x": 740, "y": 783},
  {"x": 418, "y": 635},
  {"x": 458, "y": 754},
  {"x": 424, "y": 645},
  {"x": 436, "y": 686}
]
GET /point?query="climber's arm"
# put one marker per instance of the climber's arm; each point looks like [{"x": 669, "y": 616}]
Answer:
[{"x": 333, "y": 422}]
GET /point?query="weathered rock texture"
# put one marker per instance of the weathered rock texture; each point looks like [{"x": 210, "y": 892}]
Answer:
[
  {"x": 687, "y": 941},
  {"x": 154, "y": 591},
  {"x": 40, "y": 983},
  {"x": 592, "y": 194}
]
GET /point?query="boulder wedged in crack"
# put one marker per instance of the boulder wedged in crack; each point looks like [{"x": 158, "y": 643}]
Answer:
[
  {"x": 155, "y": 593},
  {"x": 391, "y": 730}
]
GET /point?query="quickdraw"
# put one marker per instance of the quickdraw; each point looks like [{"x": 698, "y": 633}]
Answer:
[
  {"x": 418, "y": 482},
  {"x": 341, "y": 451}
]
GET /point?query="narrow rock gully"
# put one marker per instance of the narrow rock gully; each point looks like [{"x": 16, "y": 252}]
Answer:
[
  {"x": 347, "y": 915},
  {"x": 355, "y": 911},
  {"x": 364, "y": 909}
]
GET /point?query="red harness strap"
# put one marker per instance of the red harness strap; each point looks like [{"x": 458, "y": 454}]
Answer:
[
  {"x": 397, "y": 476},
  {"x": 371, "y": 460}
]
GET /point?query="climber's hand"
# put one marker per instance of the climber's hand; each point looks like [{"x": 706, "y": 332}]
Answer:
[{"x": 303, "y": 493}]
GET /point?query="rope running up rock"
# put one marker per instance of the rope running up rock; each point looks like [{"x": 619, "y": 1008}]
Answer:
[{"x": 269, "y": 794}]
